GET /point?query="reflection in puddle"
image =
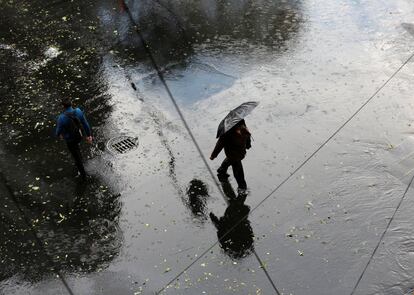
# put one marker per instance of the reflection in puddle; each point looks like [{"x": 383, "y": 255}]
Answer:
[
  {"x": 189, "y": 83},
  {"x": 83, "y": 238},
  {"x": 201, "y": 47},
  {"x": 234, "y": 231},
  {"x": 197, "y": 194}
]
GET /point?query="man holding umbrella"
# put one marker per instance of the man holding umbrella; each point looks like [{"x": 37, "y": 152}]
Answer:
[{"x": 235, "y": 138}]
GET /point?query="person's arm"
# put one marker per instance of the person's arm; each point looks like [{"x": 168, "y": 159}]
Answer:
[
  {"x": 248, "y": 142},
  {"x": 248, "y": 136},
  {"x": 219, "y": 146},
  {"x": 59, "y": 128},
  {"x": 85, "y": 124}
]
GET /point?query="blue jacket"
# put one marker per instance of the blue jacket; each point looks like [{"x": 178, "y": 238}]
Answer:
[{"x": 63, "y": 121}]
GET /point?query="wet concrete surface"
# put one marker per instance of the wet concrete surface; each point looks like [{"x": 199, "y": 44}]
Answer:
[{"x": 141, "y": 224}]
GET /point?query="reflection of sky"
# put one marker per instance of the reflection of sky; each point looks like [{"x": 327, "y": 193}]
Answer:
[
  {"x": 363, "y": 14},
  {"x": 190, "y": 83},
  {"x": 213, "y": 28}
]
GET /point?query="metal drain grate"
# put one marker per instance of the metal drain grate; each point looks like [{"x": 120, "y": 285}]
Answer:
[{"x": 122, "y": 144}]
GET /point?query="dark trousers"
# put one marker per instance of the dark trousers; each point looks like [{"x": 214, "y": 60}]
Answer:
[
  {"x": 75, "y": 151},
  {"x": 237, "y": 171}
]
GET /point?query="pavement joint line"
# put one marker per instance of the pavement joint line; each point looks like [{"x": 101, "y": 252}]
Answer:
[
  {"x": 382, "y": 237},
  {"x": 262, "y": 265},
  {"x": 161, "y": 77},
  {"x": 33, "y": 231}
]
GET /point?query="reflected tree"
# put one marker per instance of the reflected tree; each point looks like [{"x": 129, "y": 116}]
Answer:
[
  {"x": 48, "y": 52},
  {"x": 82, "y": 239},
  {"x": 173, "y": 28},
  {"x": 197, "y": 194}
]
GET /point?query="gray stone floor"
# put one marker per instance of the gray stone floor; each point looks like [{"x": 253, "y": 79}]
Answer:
[{"x": 330, "y": 162}]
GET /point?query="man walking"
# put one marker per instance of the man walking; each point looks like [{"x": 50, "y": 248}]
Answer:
[
  {"x": 72, "y": 126},
  {"x": 235, "y": 142}
]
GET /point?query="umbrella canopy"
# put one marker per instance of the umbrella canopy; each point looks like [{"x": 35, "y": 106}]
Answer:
[{"x": 235, "y": 116}]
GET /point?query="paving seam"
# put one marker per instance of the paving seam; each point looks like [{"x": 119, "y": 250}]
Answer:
[
  {"x": 382, "y": 237},
  {"x": 33, "y": 231},
  {"x": 262, "y": 266},
  {"x": 161, "y": 77}
]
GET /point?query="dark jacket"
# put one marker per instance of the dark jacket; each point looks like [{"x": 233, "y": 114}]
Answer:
[
  {"x": 235, "y": 142},
  {"x": 63, "y": 122}
]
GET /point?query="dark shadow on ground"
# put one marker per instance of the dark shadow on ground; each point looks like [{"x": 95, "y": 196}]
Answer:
[
  {"x": 82, "y": 238},
  {"x": 49, "y": 52},
  {"x": 197, "y": 195},
  {"x": 234, "y": 231},
  {"x": 43, "y": 60}
]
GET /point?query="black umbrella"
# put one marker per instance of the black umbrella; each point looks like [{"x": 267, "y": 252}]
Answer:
[{"x": 235, "y": 116}]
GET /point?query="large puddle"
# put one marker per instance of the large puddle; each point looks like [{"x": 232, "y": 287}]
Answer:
[{"x": 142, "y": 223}]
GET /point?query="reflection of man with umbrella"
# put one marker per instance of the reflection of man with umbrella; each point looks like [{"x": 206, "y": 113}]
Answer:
[
  {"x": 234, "y": 137},
  {"x": 234, "y": 232}
]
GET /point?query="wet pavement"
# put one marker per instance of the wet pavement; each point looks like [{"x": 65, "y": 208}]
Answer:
[{"x": 141, "y": 224}]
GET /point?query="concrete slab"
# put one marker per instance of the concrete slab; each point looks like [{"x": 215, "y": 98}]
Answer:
[{"x": 144, "y": 216}]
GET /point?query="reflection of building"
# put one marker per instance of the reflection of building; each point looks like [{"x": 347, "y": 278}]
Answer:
[
  {"x": 173, "y": 27},
  {"x": 189, "y": 40}
]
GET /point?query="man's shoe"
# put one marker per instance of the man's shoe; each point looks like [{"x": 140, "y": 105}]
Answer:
[
  {"x": 80, "y": 175},
  {"x": 242, "y": 191}
]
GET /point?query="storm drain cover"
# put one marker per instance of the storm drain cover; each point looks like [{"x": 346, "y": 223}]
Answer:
[{"x": 122, "y": 144}]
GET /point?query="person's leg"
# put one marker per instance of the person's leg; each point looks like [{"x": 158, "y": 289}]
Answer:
[
  {"x": 75, "y": 151},
  {"x": 222, "y": 170},
  {"x": 239, "y": 174},
  {"x": 215, "y": 220}
]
